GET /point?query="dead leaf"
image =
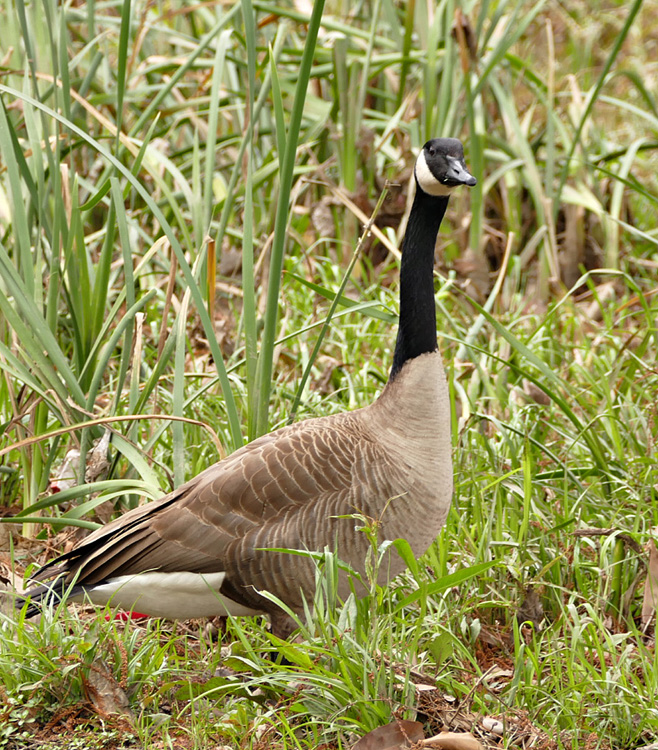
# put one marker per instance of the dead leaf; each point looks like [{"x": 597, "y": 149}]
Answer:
[
  {"x": 230, "y": 262},
  {"x": 453, "y": 741},
  {"x": 97, "y": 460},
  {"x": 495, "y": 726},
  {"x": 97, "y": 464},
  {"x": 475, "y": 269},
  {"x": 105, "y": 693},
  {"x": 605, "y": 293},
  {"x": 651, "y": 585},
  {"x": 463, "y": 33},
  {"x": 395, "y": 736},
  {"x": 572, "y": 250},
  {"x": 5, "y": 538},
  {"x": 535, "y": 393},
  {"x": 8, "y": 576},
  {"x": 323, "y": 218},
  {"x": 531, "y": 609}
]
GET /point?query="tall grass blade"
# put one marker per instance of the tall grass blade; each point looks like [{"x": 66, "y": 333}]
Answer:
[
  {"x": 234, "y": 421},
  {"x": 593, "y": 96},
  {"x": 266, "y": 354}
]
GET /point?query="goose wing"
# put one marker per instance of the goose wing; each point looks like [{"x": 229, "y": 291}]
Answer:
[{"x": 283, "y": 490}]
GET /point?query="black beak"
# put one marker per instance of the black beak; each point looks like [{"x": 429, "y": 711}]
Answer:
[{"x": 458, "y": 174}]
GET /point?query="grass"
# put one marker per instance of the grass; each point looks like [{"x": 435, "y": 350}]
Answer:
[{"x": 179, "y": 191}]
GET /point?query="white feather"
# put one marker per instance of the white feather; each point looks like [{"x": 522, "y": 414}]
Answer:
[
  {"x": 178, "y": 596},
  {"x": 427, "y": 181}
]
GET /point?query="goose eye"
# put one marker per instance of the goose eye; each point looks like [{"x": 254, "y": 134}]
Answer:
[{"x": 432, "y": 151}]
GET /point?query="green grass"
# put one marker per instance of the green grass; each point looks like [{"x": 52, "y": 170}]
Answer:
[{"x": 138, "y": 144}]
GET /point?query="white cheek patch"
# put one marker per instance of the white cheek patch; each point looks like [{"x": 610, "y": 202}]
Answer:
[{"x": 427, "y": 181}]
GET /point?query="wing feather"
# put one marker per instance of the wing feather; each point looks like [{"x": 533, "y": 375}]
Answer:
[{"x": 282, "y": 490}]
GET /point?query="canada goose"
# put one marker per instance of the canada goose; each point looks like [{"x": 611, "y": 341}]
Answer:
[{"x": 206, "y": 548}]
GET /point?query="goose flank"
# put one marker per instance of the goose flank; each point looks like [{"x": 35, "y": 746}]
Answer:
[{"x": 206, "y": 548}]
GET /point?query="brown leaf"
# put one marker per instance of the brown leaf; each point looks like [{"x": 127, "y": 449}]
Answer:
[
  {"x": 463, "y": 33},
  {"x": 5, "y": 539},
  {"x": 453, "y": 741},
  {"x": 104, "y": 691},
  {"x": 572, "y": 251},
  {"x": 535, "y": 393},
  {"x": 474, "y": 267},
  {"x": 395, "y": 736},
  {"x": 495, "y": 726},
  {"x": 531, "y": 609},
  {"x": 97, "y": 460},
  {"x": 323, "y": 218},
  {"x": 230, "y": 262}
]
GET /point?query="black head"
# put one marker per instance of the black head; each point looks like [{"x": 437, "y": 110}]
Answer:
[{"x": 440, "y": 167}]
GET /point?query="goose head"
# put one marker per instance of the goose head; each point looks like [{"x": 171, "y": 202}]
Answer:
[{"x": 440, "y": 167}]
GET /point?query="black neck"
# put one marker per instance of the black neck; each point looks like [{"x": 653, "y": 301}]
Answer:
[{"x": 417, "y": 329}]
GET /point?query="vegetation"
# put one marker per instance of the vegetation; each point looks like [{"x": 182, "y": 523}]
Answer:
[{"x": 182, "y": 188}]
